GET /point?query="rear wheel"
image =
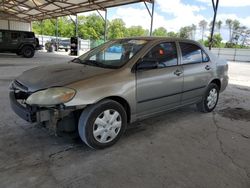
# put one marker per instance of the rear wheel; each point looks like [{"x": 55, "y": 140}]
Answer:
[
  {"x": 28, "y": 51},
  {"x": 210, "y": 99},
  {"x": 101, "y": 125}
]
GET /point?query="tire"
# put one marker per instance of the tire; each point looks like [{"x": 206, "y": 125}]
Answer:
[
  {"x": 98, "y": 117},
  {"x": 28, "y": 51},
  {"x": 211, "y": 95}
]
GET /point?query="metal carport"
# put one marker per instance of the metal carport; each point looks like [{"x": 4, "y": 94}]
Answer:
[{"x": 32, "y": 10}]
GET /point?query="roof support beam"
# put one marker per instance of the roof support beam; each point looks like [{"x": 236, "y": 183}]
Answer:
[
  {"x": 215, "y": 8},
  {"x": 151, "y": 14},
  {"x": 106, "y": 22},
  {"x": 75, "y": 23}
]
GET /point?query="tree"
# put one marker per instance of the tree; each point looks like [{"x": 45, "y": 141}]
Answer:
[
  {"x": 216, "y": 41},
  {"x": 160, "y": 32},
  {"x": 172, "y": 34},
  {"x": 218, "y": 25},
  {"x": 229, "y": 23},
  {"x": 66, "y": 28},
  {"x": 116, "y": 29},
  {"x": 185, "y": 32},
  {"x": 134, "y": 31},
  {"x": 203, "y": 26},
  {"x": 91, "y": 27},
  {"x": 236, "y": 25},
  {"x": 193, "y": 27},
  {"x": 47, "y": 27}
]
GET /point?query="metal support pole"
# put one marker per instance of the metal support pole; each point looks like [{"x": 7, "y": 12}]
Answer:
[
  {"x": 105, "y": 29},
  {"x": 76, "y": 26},
  {"x": 151, "y": 14},
  {"x": 152, "y": 17},
  {"x": 56, "y": 34},
  {"x": 105, "y": 21},
  {"x": 42, "y": 30},
  {"x": 215, "y": 7}
]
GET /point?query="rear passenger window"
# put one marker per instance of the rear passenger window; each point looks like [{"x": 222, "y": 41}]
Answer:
[
  {"x": 1, "y": 36},
  {"x": 164, "y": 54},
  {"x": 14, "y": 36},
  {"x": 192, "y": 53},
  {"x": 28, "y": 35}
]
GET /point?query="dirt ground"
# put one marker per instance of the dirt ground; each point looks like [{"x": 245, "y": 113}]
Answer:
[{"x": 184, "y": 148}]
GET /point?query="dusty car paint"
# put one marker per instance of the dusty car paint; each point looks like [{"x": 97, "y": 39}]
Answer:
[{"x": 144, "y": 92}]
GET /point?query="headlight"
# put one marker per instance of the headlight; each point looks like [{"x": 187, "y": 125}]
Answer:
[{"x": 51, "y": 96}]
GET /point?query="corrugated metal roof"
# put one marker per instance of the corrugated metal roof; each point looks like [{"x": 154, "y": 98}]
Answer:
[{"x": 31, "y": 10}]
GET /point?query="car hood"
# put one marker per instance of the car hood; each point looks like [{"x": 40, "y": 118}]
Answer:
[{"x": 57, "y": 75}]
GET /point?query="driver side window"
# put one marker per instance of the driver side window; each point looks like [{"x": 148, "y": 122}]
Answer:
[{"x": 164, "y": 55}]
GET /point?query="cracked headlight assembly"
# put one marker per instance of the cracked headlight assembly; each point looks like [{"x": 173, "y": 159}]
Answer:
[{"x": 51, "y": 96}]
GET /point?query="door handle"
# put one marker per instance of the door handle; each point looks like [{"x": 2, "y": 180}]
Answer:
[
  {"x": 177, "y": 72},
  {"x": 207, "y": 67}
]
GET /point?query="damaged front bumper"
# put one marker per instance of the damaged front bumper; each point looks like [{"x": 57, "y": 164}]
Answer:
[
  {"x": 27, "y": 113},
  {"x": 55, "y": 118}
]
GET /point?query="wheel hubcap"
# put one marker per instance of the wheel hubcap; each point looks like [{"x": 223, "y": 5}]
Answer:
[
  {"x": 107, "y": 126},
  {"x": 212, "y": 98}
]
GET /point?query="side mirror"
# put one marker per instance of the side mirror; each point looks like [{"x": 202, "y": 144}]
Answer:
[{"x": 146, "y": 64}]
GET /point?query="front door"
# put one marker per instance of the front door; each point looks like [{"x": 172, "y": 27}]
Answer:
[
  {"x": 3, "y": 40},
  {"x": 159, "y": 80}
]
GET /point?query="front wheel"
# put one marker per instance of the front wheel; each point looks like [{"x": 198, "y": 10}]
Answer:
[
  {"x": 102, "y": 124},
  {"x": 210, "y": 99}
]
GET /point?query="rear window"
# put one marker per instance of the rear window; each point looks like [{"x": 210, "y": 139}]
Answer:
[
  {"x": 14, "y": 35},
  {"x": 28, "y": 35},
  {"x": 192, "y": 53},
  {"x": 1, "y": 36}
]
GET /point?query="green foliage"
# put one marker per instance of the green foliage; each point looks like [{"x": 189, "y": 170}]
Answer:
[
  {"x": 116, "y": 29},
  {"x": 160, "y": 32},
  {"x": 203, "y": 26},
  {"x": 91, "y": 27},
  {"x": 185, "y": 32},
  {"x": 216, "y": 41},
  {"x": 134, "y": 31},
  {"x": 172, "y": 34}
]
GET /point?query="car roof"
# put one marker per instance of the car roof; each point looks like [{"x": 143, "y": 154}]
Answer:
[
  {"x": 16, "y": 31},
  {"x": 159, "y": 39}
]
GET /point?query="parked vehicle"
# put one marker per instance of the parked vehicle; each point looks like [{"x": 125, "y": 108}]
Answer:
[
  {"x": 20, "y": 42},
  {"x": 103, "y": 90},
  {"x": 62, "y": 45}
]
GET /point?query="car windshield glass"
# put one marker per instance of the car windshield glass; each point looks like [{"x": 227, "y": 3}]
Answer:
[{"x": 113, "y": 54}]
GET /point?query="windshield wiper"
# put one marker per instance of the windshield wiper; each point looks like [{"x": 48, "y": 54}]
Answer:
[
  {"x": 95, "y": 63},
  {"x": 76, "y": 60},
  {"x": 90, "y": 62}
]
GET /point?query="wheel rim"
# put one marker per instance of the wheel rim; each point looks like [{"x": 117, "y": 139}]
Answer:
[
  {"x": 107, "y": 126},
  {"x": 27, "y": 52},
  {"x": 212, "y": 98}
]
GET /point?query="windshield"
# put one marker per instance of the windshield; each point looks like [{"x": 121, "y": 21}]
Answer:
[{"x": 113, "y": 54}]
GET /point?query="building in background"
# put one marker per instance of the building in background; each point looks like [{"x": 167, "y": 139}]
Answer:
[{"x": 15, "y": 25}]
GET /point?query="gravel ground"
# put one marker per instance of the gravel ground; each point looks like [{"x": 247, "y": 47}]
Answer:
[{"x": 184, "y": 148}]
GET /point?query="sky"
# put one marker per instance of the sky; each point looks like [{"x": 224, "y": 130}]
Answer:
[{"x": 174, "y": 14}]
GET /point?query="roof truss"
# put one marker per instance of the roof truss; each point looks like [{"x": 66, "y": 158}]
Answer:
[{"x": 31, "y": 10}]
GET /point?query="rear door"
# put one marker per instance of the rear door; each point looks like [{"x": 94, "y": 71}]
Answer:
[
  {"x": 1, "y": 40},
  {"x": 13, "y": 40},
  {"x": 198, "y": 71},
  {"x": 159, "y": 88}
]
